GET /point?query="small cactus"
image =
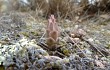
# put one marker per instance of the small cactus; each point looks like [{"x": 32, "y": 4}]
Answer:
[{"x": 52, "y": 32}]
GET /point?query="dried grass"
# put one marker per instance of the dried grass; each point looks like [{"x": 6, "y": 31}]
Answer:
[{"x": 60, "y": 8}]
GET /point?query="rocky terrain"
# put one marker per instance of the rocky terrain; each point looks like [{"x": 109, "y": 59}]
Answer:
[{"x": 23, "y": 44}]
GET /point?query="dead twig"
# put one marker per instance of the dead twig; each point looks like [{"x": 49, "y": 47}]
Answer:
[{"x": 102, "y": 51}]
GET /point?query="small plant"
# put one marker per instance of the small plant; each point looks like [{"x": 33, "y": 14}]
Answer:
[{"x": 52, "y": 32}]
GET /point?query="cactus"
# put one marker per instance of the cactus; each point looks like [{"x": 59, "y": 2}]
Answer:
[{"x": 52, "y": 32}]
